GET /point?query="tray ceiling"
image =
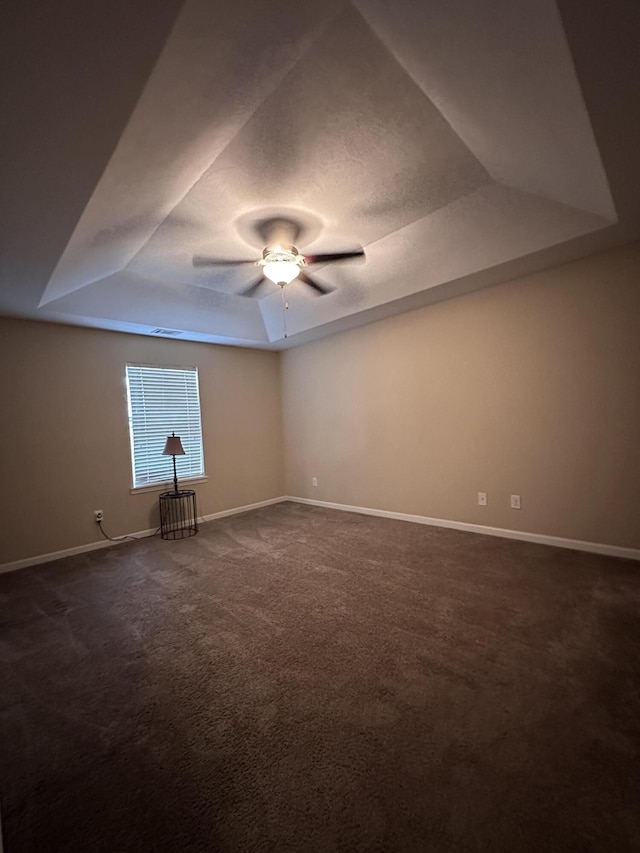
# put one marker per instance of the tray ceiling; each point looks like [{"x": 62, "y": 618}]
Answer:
[{"x": 454, "y": 140}]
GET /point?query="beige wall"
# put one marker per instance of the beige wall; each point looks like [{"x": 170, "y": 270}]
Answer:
[
  {"x": 65, "y": 443},
  {"x": 530, "y": 388}
]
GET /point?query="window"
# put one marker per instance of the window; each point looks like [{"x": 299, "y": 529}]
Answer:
[{"x": 163, "y": 400}]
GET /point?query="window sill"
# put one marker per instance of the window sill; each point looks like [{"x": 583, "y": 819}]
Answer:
[{"x": 163, "y": 487}]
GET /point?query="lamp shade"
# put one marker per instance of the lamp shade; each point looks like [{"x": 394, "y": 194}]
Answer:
[{"x": 173, "y": 447}]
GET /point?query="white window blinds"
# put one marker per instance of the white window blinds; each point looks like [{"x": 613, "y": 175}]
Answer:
[{"x": 163, "y": 400}]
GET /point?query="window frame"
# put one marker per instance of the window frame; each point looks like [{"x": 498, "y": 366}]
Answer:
[{"x": 152, "y": 484}]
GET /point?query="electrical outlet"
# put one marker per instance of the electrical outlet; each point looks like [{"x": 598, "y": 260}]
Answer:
[
  {"x": 314, "y": 481},
  {"x": 98, "y": 515},
  {"x": 482, "y": 498},
  {"x": 515, "y": 502}
]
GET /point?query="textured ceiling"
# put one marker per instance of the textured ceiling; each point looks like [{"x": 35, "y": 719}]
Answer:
[{"x": 458, "y": 141}]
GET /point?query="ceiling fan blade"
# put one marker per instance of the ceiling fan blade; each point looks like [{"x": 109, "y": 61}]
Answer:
[
  {"x": 321, "y": 288},
  {"x": 334, "y": 256},
  {"x": 203, "y": 261},
  {"x": 253, "y": 287}
]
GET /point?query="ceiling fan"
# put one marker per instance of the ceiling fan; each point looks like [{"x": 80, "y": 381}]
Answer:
[{"x": 281, "y": 262}]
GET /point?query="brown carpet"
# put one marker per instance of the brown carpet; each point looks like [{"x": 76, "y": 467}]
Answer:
[{"x": 300, "y": 679}]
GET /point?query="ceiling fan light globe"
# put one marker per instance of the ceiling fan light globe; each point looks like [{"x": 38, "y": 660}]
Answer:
[{"x": 280, "y": 272}]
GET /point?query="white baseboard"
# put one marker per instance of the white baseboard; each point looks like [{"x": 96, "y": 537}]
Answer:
[
  {"x": 106, "y": 543},
  {"x": 67, "y": 552},
  {"x": 238, "y": 509},
  {"x": 539, "y": 538}
]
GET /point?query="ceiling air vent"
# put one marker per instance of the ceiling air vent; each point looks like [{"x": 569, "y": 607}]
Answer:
[{"x": 167, "y": 333}]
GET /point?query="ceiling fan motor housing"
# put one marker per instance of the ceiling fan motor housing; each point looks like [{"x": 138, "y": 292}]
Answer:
[
  {"x": 290, "y": 255},
  {"x": 278, "y": 232}
]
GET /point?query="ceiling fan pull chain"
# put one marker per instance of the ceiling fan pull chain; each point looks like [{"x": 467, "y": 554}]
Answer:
[{"x": 285, "y": 308}]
